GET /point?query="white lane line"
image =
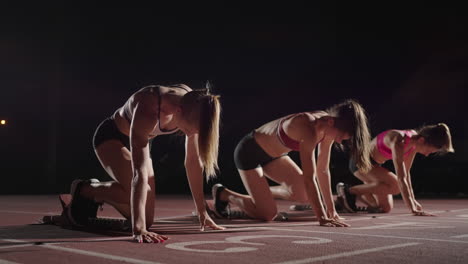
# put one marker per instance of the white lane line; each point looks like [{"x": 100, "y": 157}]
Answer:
[
  {"x": 174, "y": 219},
  {"x": 366, "y": 235},
  {"x": 28, "y": 212},
  {"x": 99, "y": 255},
  {"x": 379, "y": 216},
  {"x": 460, "y": 236},
  {"x": 315, "y": 223},
  {"x": 119, "y": 238},
  {"x": 458, "y": 210},
  {"x": 443, "y": 220},
  {"x": 17, "y": 245},
  {"x": 348, "y": 254},
  {"x": 405, "y": 225},
  {"x": 89, "y": 253},
  {"x": 383, "y": 226},
  {"x": 2, "y": 261},
  {"x": 293, "y": 223},
  {"x": 34, "y": 243},
  {"x": 171, "y": 209}
]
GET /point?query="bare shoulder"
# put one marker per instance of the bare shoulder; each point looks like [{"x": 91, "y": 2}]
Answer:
[
  {"x": 394, "y": 134},
  {"x": 146, "y": 100},
  {"x": 305, "y": 126},
  {"x": 308, "y": 119},
  {"x": 393, "y": 137},
  {"x": 176, "y": 89}
]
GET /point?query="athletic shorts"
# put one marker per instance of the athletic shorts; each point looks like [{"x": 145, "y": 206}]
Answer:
[
  {"x": 108, "y": 130},
  {"x": 249, "y": 155},
  {"x": 353, "y": 168}
]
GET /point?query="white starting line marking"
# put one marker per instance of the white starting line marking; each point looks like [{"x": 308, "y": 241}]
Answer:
[
  {"x": 347, "y": 254},
  {"x": 17, "y": 245},
  {"x": 444, "y": 220},
  {"x": 366, "y": 235},
  {"x": 403, "y": 225},
  {"x": 185, "y": 246},
  {"x": 463, "y": 215},
  {"x": 99, "y": 255},
  {"x": 460, "y": 236},
  {"x": 2, "y": 261},
  {"x": 87, "y": 253},
  {"x": 458, "y": 210},
  {"x": 423, "y": 222},
  {"x": 386, "y": 225}
]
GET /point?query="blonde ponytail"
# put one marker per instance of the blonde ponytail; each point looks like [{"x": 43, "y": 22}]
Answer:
[
  {"x": 208, "y": 136},
  {"x": 204, "y": 109}
]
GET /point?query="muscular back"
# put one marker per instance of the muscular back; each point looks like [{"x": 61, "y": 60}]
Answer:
[
  {"x": 124, "y": 114},
  {"x": 149, "y": 98},
  {"x": 266, "y": 135}
]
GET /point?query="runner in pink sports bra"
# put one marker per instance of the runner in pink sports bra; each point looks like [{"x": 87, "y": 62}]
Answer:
[
  {"x": 386, "y": 151},
  {"x": 379, "y": 184}
]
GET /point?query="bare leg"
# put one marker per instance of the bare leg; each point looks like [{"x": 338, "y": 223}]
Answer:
[
  {"x": 259, "y": 204},
  {"x": 116, "y": 160},
  {"x": 281, "y": 192},
  {"x": 369, "y": 200},
  {"x": 379, "y": 185},
  {"x": 382, "y": 182},
  {"x": 285, "y": 172},
  {"x": 111, "y": 193},
  {"x": 385, "y": 202}
]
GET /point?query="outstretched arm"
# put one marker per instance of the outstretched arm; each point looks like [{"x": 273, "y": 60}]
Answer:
[
  {"x": 194, "y": 170},
  {"x": 323, "y": 173},
  {"x": 408, "y": 164},
  {"x": 141, "y": 126},
  {"x": 397, "y": 147},
  {"x": 307, "y": 156}
]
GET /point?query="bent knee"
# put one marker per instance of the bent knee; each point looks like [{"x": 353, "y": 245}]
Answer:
[
  {"x": 394, "y": 189},
  {"x": 385, "y": 207},
  {"x": 299, "y": 196},
  {"x": 267, "y": 215},
  {"x": 389, "y": 188},
  {"x": 267, "y": 218}
]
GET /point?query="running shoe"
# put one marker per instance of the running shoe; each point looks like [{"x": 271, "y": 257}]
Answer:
[
  {"x": 81, "y": 209},
  {"x": 348, "y": 199},
  {"x": 300, "y": 207},
  {"x": 220, "y": 207}
]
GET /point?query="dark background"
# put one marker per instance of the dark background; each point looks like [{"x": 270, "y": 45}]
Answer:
[{"x": 63, "y": 69}]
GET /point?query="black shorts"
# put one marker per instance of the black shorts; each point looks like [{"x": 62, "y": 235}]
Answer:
[
  {"x": 249, "y": 155},
  {"x": 108, "y": 130},
  {"x": 353, "y": 168}
]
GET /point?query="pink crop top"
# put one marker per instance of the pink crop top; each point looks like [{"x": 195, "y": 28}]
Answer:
[{"x": 386, "y": 151}]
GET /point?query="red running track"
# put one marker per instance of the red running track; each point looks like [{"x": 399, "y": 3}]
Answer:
[{"x": 397, "y": 237}]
